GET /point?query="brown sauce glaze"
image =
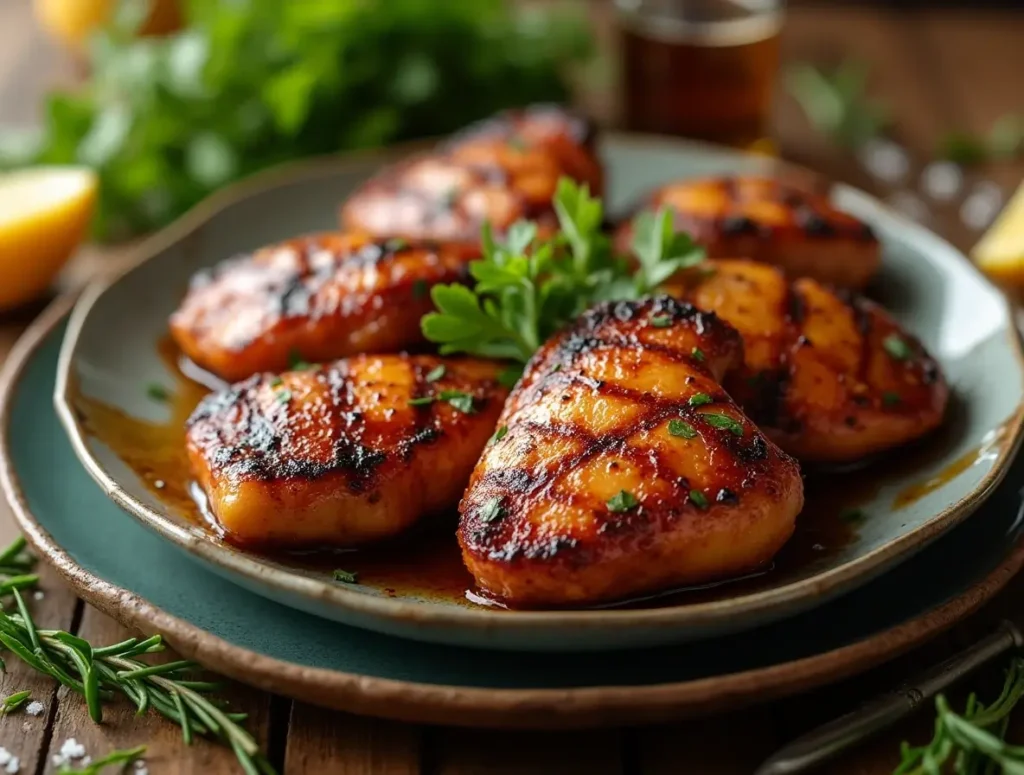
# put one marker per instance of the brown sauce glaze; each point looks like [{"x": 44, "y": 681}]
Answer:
[{"x": 427, "y": 564}]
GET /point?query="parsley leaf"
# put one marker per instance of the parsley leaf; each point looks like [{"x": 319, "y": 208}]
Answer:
[
  {"x": 157, "y": 392},
  {"x": 622, "y": 501},
  {"x": 723, "y": 421},
  {"x": 681, "y": 428},
  {"x": 527, "y": 288},
  {"x": 698, "y": 499},
  {"x": 492, "y": 511},
  {"x": 436, "y": 373},
  {"x": 463, "y": 402},
  {"x": 897, "y": 347},
  {"x": 700, "y": 399}
]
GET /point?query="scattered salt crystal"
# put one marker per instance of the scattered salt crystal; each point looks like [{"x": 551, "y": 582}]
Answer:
[
  {"x": 38, "y": 594},
  {"x": 159, "y": 484},
  {"x": 35, "y": 708},
  {"x": 140, "y": 768},
  {"x": 13, "y": 765},
  {"x": 885, "y": 160},
  {"x": 909, "y": 204},
  {"x": 5, "y": 756},
  {"x": 72, "y": 749},
  {"x": 981, "y": 206},
  {"x": 942, "y": 180}
]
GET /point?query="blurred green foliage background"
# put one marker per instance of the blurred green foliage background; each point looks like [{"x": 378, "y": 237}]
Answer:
[{"x": 250, "y": 83}]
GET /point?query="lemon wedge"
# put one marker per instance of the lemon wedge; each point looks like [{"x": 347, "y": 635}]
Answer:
[
  {"x": 1000, "y": 253},
  {"x": 44, "y": 213}
]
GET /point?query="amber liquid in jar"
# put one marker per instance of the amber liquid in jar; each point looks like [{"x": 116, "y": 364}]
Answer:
[{"x": 700, "y": 68}]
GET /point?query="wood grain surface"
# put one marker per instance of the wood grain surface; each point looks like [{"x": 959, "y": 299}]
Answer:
[{"x": 937, "y": 70}]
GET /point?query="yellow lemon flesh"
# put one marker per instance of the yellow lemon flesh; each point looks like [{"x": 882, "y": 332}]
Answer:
[
  {"x": 1000, "y": 253},
  {"x": 44, "y": 214}
]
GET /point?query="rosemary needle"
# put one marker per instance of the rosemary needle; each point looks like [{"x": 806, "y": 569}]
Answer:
[{"x": 100, "y": 674}]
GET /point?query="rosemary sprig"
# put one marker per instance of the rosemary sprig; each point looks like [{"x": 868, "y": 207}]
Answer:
[
  {"x": 101, "y": 674},
  {"x": 972, "y": 742}
]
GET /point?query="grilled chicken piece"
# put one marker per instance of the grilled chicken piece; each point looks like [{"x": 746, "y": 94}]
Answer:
[
  {"x": 345, "y": 454},
  {"x": 319, "y": 297},
  {"x": 772, "y": 221},
  {"x": 621, "y": 467},
  {"x": 499, "y": 170},
  {"x": 828, "y": 375}
]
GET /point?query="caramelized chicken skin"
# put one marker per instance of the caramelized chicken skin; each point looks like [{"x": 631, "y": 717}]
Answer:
[
  {"x": 622, "y": 467},
  {"x": 345, "y": 454},
  {"x": 828, "y": 375},
  {"x": 772, "y": 221},
  {"x": 321, "y": 297},
  {"x": 499, "y": 170}
]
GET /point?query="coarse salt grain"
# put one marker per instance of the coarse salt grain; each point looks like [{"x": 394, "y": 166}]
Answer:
[
  {"x": 942, "y": 180},
  {"x": 13, "y": 765},
  {"x": 38, "y": 594},
  {"x": 72, "y": 749},
  {"x": 35, "y": 708},
  {"x": 159, "y": 484},
  {"x": 5, "y": 756},
  {"x": 885, "y": 160}
]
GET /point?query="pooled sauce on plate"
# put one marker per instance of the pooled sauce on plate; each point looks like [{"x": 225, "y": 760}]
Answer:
[{"x": 426, "y": 562}]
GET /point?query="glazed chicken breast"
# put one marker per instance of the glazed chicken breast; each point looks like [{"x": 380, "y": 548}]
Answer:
[
  {"x": 828, "y": 375},
  {"x": 344, "y": 454},
  {"x": 776, "y": 222},
  {"x": 621, "y": 467},
  {"x": 314, "y": 298},
  {"x": 499, "y": 170}
]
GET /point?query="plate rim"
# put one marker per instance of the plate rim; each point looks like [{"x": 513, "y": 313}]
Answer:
[
  {"x": 459, "y": 705},
  {"x": 411, "y": 612}
]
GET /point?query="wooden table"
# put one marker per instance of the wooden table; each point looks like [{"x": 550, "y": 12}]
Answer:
[{"x": 937, "y": 70}]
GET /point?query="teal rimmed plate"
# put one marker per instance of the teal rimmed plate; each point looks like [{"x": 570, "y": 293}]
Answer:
[
  {"x": 149, "y": 583},
  {"x": 110, "y": 354}
]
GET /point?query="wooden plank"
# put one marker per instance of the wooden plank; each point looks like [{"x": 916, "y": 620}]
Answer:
[
  {"x": 732, "y": 744},
  {"x": 121, "y": 728},
  {"x": 341, "y": 744},
  {"x": 494, "y": 752}
]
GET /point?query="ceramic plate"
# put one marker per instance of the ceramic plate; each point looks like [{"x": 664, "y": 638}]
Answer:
[
  {"x": 110, "y": 354},
  {"x": 148, "y": 583}
]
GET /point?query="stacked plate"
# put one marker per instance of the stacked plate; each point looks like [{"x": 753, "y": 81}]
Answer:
[{"x": 909, "y": 565}]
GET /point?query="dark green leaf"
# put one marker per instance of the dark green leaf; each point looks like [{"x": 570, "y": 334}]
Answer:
[
  {"x": 698, "y": 354},
  {"x": 700, "y": 399},
  {"x": 661, "y": 321},
  {"x": 723, "y": 421},
  {"x": 436, "y": 373},
  {"x": 681, "y": 428},
  {"x": 501, "y": 433},
  {"x": 491, "y": 511},
  {"x": 459, "y": 400},
  {"x": 622, "y": 501},
  {"x": 421, "y": 401},
  {"x": 698, "y": 499},
  {"x": 348, "y": 577},
  {"x": 157, "y": 392}
]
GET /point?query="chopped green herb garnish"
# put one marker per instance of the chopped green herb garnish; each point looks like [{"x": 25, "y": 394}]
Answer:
[
  {"x": 897, "y": 347},
  {"x": 891, "y": 399},
  {"x": 501, "y": 433},
  {"x": 492, "y": 511},
  {"x": 698, "y": 354},
  {"x": 157, "y": 392},
  {"x": 436, "y": 373},
  {"x": 698, "y": 499},
  {"x": 699, "y": 399},
  {"x": 420, "y": 290},
  {"x": 556, "y": 368},
  {"x": 125, "y": 756},
  {"x": 296, "y": 362},
  {"x": 852, "y": 515},
  {"x": 284, "y": 396},
  {"x": 459, "y": 400},
  {"x": 421, "y": 401},
  {"x": 623, "y": 501},
  {"x": 681, "y": 428},
  {"x": 346, "y": 576},
  {"x": 723, "y": 421},
  {"x": 661, "y": 321},
  {"x": 276, "y": 382},
  {"x": 396, "y": 244}
]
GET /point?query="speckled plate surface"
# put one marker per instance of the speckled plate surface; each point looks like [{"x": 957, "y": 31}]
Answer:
[
  {"x": 147, "y": 582},
  {"x": 110, "y": 355}
]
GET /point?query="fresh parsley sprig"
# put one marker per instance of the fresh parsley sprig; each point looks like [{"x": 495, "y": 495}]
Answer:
[{"x": 528, "y": 287}]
